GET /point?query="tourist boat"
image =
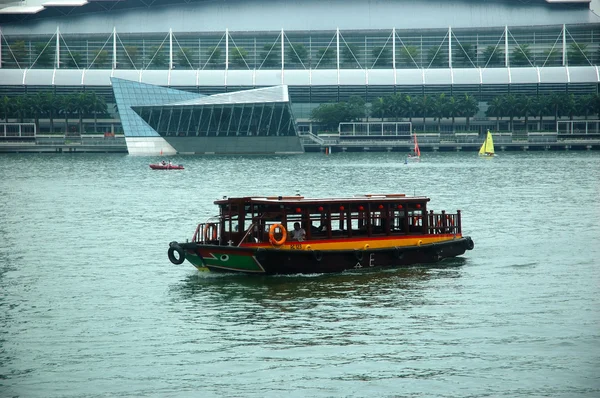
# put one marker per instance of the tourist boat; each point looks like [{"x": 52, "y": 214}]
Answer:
[
  {"x": 415, "y": 155},
  {"x": 250, "y": 235},
  {"x": 487, "y": 148},
  {"x": 166, "y": 166}
]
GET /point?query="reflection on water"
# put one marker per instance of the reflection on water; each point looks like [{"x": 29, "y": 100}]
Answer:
[{"x": 376, "y": 284}]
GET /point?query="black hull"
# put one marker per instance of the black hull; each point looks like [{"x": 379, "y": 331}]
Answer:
[{"x": 273, "y": 261}]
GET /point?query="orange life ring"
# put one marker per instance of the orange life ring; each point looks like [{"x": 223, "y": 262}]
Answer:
[
  {"x": 449, "y": 222},
  {"x": 449, "y": 225},
  {"x": 272, "y": 235},
  {"x": 210, "y": 231}
]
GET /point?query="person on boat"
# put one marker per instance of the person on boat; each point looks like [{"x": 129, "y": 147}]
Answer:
[
  {"x": 164, "y": 163},
  {"x": 298, "y": 233}
]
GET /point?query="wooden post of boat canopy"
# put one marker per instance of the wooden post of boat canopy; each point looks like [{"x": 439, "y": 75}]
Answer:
[
  {"x": 430, "y": 220},
  {"x": 458, "y": 223}
]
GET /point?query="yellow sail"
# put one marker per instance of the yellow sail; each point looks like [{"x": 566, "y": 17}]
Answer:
[{"x": 487, "y": 148}]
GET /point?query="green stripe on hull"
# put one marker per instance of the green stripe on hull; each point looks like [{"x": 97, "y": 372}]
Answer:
[{"x": 234, "y": 262}]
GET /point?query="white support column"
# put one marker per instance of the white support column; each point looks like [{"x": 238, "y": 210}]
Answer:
[
  {"x": 114, "y": 63},
  {"x": 170, "y": 48},
  {"x": 337, "y": 53},
  {"x": 506, "y": 46},
  {"x": 564, "y": 45},
  {"x": 226, "y": 48},
  {"x": 394, "y": 48},
  {"x": 394, "y": 55},
  {"x": 57, "y": 63},
  {"x": 449, "y": 46},
  {"x": 282, "y": 57}
]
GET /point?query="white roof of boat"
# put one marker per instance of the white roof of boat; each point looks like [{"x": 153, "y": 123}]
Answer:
[{"x": 301, "y": 199}]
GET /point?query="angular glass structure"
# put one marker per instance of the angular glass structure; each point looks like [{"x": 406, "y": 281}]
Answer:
[{"x": 162, "y": 120}]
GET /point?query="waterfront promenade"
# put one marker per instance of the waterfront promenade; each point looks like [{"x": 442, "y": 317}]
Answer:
[
  {"x": 313, "y": 143},
  {"x": 96, "y": 143}
]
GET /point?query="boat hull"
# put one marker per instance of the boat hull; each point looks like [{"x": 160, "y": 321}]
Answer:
[
  {"x": 272, "y": 260},
  {"x": 166, "y": 167}
]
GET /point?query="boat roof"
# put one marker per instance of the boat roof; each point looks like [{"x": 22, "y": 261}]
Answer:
[{"x": 298, "y": 199}]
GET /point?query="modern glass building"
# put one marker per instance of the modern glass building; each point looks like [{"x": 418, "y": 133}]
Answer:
[
  {"x": 322, "y": 51},
  {"x": 168, "y": 121}
]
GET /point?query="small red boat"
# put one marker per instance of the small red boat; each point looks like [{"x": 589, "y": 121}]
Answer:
[{"x": 166, "y": 166}]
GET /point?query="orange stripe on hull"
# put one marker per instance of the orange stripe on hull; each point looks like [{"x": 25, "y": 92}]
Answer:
[{"x": 357, "y": 243}]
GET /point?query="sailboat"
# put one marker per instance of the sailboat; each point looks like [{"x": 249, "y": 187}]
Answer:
[
  {"x": 487, "y": 148},
  {"x": 415, "y": 155}
]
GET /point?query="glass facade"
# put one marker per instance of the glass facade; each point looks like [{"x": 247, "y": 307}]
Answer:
[
  {"x": 151, "y": 111},
  {"x": 129, "y": 93},
  {"x": 220, "y": 120}
]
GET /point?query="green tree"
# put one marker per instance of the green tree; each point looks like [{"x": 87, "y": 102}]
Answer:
[
  {"x": 439, "y": 109},
  {"x": 569, "y": 106},
  {"x": 550, "y": 57},
  {"x": 22, "y": 107},
  {"x": 496, "y": 109},
  {"x": 396, "y": 106},
  {"x": 511, "y": 108},
  {"x": 238, "y": 55},
  {"x": 297, "y": 54},
  {"x": 464, "y": 55},
  {"x": 19, "y": 52},
  {"x": 493, "y": 56},
  {"x": 379, "y": 108},
  {"x": 44, "y": 54},
  {"x": 100, "y": 59},
  {"x": 408, "y": 57},
  {"x": 410, "y": 107},
  {"x": 75, "y": 60},
  {"x": 213, "y": 55},
  {"x": 350, "y": 56},
  {"x": 158, "y": 57},
  {"x": 131, "y": 56},
  {"x": 469, "y": 106},
  {"x": 577, "y": 54},
  {"x": 424, "y": 107},
  {"x": 271, "y": 55},
  {"x": 95, "y": 105},
  {"x": 437, "y": 56},
  {"x": 49, "y": 106},
  {"x": 540, "y": 108},
  {"x": 525, "y": 108},
  {"x": 67, "y": 106},
  {"x": 325, "y": 57},
  {"x": 382, "y": 56},
  {"x": 6, "y": 107},
  {"x": 521, "y": 55},
  {"x": 586, "y": 104},
  {"x": 331, "y": 115},
  {"x": 185, "y": 58},
  {"x": 453, "y": 109}
]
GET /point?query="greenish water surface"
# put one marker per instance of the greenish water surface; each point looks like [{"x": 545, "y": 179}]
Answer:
[{"x": 90, "y": 306}]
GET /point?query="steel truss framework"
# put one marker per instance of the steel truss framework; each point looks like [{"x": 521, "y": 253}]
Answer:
[{"x": 557, "y": 45}]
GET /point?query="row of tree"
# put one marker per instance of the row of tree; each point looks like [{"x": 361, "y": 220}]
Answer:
[
  {"x": 52, "y": 106},
  {"x": 397, "y": 107},
  {"x": 298, "y": 55}
]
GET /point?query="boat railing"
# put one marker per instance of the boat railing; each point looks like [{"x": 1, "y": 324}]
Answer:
[
  {"x": 207, "y": 232},
  {"x": 444, "y": 223}
]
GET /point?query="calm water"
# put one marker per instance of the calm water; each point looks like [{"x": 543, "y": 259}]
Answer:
[{"x": 90, "y": 305}]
